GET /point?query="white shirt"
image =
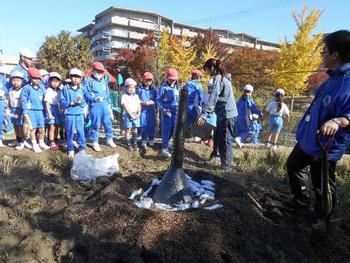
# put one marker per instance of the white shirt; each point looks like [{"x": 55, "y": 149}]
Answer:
[
  {"x": 272, "y": 108},
  {"x": 52, "y": 96},
  {"x": 131, "y": 101},
  {"x": 15, "y": 97}
]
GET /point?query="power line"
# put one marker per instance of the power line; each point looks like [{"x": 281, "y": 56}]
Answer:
[{"x": 248, "y": 11}]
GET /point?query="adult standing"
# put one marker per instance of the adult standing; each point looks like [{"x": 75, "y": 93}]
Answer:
[
  {"x": 222, "y": 101},
  {"x": 329, "y": 114},
  {"x": 26, "y": 57}
]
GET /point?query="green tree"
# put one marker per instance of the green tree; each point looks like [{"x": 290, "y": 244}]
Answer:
[
  {"x": 301, "y": 57},
  {"x": 63, "y": 52}
]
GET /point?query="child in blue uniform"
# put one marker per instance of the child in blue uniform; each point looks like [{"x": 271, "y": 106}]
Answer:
[
  {"x": 132, "y": 108},
  {"x": 3, "y": 93},
  {"x": 148, "y": 97},
  {"x": 246, "y": 107},
  {"x": 255, "y": 129},
  {"x": 72, "y": 102},
  {"x": 97, "y": 96},
  {"x": 167, "y": 100},
  {"x": 14, "y": 104},
  {"x": 194, "y": 98},
  {"x": 53, "y": 114},
  {"x": 33, "y": 108}
]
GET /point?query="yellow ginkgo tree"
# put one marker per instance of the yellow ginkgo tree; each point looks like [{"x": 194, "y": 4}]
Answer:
[
  {"x": 208, "y": 53},
  {"x": 183, "y": 54},
  {"x": 300, "y": 58}
]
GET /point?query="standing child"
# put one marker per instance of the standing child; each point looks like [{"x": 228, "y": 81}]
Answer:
[
  {"x": 211, "y": 119},
  {"x": 148, "y": 96},
  {"x": 194, "y": 97},
  {"x": 3, "y": 92},
  {"x": 168, "y": 99},
  {"x": 276, "y": 108},
  {"x": 73, "y": 102},
  {"x": 246, "y": 107},
  {"x": 97, "y": 95},
  {"x": 51, "y": 99},
  {"x": 33, "y": 109},
  {"x": 132, "y": 105},
  {"x": 14, "y": 103},
  {"x": 255, "y": 129}
]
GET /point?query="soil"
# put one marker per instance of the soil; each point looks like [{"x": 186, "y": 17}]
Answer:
[{"x": 45, "y": 216}]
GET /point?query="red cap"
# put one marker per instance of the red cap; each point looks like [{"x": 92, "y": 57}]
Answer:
[
  {"x": 197, "y": 73},
  {"x": 98, "y": 66},
  {"x": 148, "y": 75},
  {"x": 172, "y": 74},
  {"x": 34, "y": 73}
]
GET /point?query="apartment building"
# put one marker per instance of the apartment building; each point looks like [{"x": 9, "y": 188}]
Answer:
[{"x": 116, "y": 28}]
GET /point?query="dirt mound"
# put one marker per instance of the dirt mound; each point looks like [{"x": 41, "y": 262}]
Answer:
[{"x": 238, "y": 232}]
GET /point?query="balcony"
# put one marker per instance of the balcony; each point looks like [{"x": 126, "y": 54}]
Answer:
[
  {"x": 143, "y": 25},
  {"x": 135, "y": 35}
]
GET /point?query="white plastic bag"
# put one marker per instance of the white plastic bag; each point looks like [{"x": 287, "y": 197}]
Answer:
[{"x": 86, "y": 168}]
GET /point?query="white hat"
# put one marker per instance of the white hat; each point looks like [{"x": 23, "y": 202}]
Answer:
[
  {"x": 130, "y": 82},
  {"x": 279, "y": 91},
  {"x": 248, "y": 88},
  {"x": 210, "y": 83},
  {"x": 68, "y": 81},
  {"x": 255, "y": 116},
  {"x": 17, "y": 74},
  {"x": 43, "y": 72},
  {"x": 55, "y": 75},
  {"x": 26, "y": 52},
  {"x": 75, "y": 71}
]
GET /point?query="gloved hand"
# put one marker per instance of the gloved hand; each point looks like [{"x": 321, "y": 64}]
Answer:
[
  {"x": 99, "y": 99},
  {"x": 78, "y": 100}
]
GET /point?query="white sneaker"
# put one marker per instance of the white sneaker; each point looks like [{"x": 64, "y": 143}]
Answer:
[
  {"x": 13, "y": 144},
  {"x": 166, "y": 153},
  {"x": 36, "y": 148},
  {"x": 76, "y": 145},
  {"x": 43, "y": 145},
  {"x": 268, "y": 145},
  {"x": 20, "y": 146},
  {"x": 144, "y": 144},
  {"x": 96, "y": 147},
  {"x": 27, "y": 145},
  {"x": 70, "y": 154},
  {"x": 151, "y": 143},
  {"x": 274, "y": 147},
  {"x": 1, "y": 144},
  {"x": 111, "y": 143},
  {"x": 238, "y": 141}
]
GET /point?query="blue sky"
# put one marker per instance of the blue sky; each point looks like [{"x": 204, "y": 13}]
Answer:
[{"x": 26, "y": 23}]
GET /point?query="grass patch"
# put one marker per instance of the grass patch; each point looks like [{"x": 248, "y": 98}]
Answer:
[{"x": 8, "y": 164}]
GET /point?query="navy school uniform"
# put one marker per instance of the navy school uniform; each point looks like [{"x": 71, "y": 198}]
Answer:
[
  {"x": 99, "y": 111},
  {"x": 167, "y": 100},
  {"x": 32, "y": 104},
  {"x": 74, "y": 115},
  {"x": 148, "y": 112}
]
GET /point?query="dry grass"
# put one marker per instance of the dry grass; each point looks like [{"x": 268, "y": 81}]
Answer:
[{"x": 8, "y": 164}]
